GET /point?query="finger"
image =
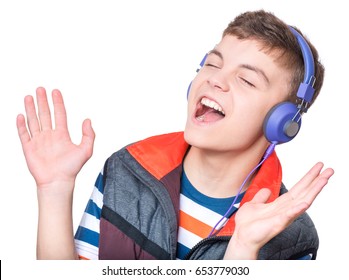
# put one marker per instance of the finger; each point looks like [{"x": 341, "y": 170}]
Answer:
[
  {"x": 43, "y": 109},
  {"x": 312, "y": 173},
  {"x": 296, "y": 211},
  {"x": 22, "y": 130},
  {"x": 318, "y": 185},
  {"x": 59, "y": 111},
  {"x": 305, "y": 183},
  {"x": 32, "y": 119},
  {"x": 88, "y": 137}
]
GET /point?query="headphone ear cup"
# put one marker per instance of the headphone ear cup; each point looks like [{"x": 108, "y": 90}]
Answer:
[{"x": 280, "y": 125}]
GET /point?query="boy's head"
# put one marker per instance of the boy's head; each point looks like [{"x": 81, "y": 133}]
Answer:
[{"x": 257, "y": 64}]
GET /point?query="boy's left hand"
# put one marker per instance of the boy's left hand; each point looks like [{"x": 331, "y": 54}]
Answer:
[{"x": 257, "y": 221}]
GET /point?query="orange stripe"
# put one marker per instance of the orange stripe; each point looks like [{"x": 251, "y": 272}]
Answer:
[
  {"x": 193, "y": 225},
  {"x": 83, "y": 258}
]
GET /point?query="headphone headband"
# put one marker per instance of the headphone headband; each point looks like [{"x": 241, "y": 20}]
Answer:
[
  {"x": 306, "y": 90},
  {"x": 284, "y": 120}
]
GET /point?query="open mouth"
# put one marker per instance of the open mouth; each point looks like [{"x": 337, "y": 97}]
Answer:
[{"x": 209, "y": 111}]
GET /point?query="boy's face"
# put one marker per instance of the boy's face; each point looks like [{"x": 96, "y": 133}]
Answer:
[{"x": 231, "y": 95}]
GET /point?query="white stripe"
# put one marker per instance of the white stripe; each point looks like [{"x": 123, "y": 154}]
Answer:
[
  {"x": 89, "y": 221},
  {"x": 97, "y": 197},
  {"x": 199, "y": 212},
  {"x": 86, "y": 250},
  {"x": 187, "y": 238}
]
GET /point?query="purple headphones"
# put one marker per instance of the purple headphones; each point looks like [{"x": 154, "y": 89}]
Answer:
[{"x": 283, "y": 121}]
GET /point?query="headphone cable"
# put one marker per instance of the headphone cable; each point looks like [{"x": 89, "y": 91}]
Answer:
[{"x": 267, "y": 153}]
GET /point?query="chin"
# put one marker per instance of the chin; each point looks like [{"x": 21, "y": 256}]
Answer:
[
  {"x": 215, "y": 140},
  {"x": 204, "y": 140},
  {"x": 194, "y": 137}
]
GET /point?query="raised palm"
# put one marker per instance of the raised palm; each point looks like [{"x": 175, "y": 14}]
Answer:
[
  {"x": 257, "y": 221},
  {"x": 50, "y": 154}
]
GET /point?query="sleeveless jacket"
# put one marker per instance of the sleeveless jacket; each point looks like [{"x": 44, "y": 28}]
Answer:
[{"x": 141, "y": 207}]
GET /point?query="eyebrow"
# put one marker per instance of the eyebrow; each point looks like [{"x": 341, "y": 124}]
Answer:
[
  {"x": 255, "y": 69},
  {"x": 259, "y": 71},
  {"x": 218, "y": 53}
]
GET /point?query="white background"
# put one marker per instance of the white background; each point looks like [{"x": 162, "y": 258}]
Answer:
[{"x": 127, "y": 65}]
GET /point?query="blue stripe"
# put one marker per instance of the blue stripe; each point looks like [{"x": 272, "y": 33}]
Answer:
[
  {"x": 87, "y": 235},
  {"x": 182, "y": 251},
  {"x": 93, "y": 209},
  {"x": 218, "y": 205},
  {"x": 99, "y": 183}
]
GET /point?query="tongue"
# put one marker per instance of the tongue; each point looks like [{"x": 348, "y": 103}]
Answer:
[{"x": 211, "y": 115}]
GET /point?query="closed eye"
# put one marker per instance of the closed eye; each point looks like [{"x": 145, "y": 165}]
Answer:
[
  {"x": 211, "y": 65},
  {"x": 247, "y": 82}
]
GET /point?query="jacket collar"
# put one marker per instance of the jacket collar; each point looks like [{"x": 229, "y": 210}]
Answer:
[{"x": 160, "y": 155}]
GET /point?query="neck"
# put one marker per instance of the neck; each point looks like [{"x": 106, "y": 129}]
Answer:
[{"x": 220, "y": 174}]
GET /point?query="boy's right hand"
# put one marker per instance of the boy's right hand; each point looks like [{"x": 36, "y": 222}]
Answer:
[{"x": 49, "y": 152}]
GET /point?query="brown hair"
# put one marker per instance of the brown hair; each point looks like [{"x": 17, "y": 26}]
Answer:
[{"x": 276, "y": 36}]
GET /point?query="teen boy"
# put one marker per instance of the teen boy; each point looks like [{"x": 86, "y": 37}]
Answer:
[{"x": 211, "y": 192}]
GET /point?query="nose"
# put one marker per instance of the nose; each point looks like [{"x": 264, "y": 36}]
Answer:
[{"x": 219, "y": 81}]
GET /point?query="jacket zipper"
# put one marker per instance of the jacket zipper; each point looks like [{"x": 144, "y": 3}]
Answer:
[{"x": 206, "y": 241}]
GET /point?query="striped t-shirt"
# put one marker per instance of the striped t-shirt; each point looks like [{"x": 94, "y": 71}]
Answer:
[
  {"x": 199, "y": 214},
  {"x": 87, "y": 234}
]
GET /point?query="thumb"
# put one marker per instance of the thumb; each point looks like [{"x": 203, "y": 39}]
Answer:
[
  {"x": 88, "y": 138},
  {"x": 261, "y": 196}
]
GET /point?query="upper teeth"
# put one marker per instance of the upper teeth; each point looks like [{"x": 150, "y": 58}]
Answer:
[{"x": 210, "y": 103}]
